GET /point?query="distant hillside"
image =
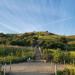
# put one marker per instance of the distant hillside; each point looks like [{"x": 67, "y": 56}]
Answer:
[
  {"x": 71, "y": 38},
  {"x": 43, "y": 39}
]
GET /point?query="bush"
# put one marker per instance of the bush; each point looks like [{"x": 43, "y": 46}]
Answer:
[
  {"x": 66, "y": 72},
  {"x": 59, "y": 73}
]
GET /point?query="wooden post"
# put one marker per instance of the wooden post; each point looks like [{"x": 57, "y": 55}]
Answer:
[
  {"x": 55, "y": 69},
  {"x": 64, "y": 62},
  {"x": 10, "y": 64},
  {"x": 4, "y": 68}
]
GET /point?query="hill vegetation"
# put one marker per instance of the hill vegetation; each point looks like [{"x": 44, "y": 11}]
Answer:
[
  {"x": 45, "y": 40},
  {"x": 19, "y": 47}
]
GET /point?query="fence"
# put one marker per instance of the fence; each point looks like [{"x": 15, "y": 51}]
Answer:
[{"x": 38, "y": 68}]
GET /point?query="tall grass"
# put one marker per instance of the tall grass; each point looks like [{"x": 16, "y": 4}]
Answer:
[{"x": 70, "y": 70}]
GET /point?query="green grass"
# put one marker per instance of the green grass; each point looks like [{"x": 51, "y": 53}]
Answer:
[
  {"x": 69, "y": 70},
  {"x": 72, "y": 54}
]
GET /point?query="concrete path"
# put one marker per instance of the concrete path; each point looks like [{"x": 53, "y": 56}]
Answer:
[{"x": 33, "y": 67}]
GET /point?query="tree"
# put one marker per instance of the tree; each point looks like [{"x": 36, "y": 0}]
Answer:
[{"x": 64, "y": 40}]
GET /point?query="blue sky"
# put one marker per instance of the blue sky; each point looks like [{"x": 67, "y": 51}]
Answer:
[{"x": 19, "y": 16}]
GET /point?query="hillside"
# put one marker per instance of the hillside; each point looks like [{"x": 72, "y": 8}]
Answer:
[
  {"x": 19, "y": 47},
  {"x": 43, "y": 39}
]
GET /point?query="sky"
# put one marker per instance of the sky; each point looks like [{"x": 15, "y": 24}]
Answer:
[{"x": 19, "y": 16}]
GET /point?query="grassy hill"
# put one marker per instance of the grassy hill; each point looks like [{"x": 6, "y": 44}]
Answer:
[
  {"x": 4, "y": 38},
  {"x": 32, "y": 38},
  {"x": 26, "y": 39},
  {"x": 19, "y": 47}
]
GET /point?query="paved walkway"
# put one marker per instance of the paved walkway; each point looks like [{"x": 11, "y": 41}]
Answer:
[{"x": 34, "y": 67}]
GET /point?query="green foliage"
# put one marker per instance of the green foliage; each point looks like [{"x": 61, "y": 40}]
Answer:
[
  {"x": 47, "y": 40},
  {"x": 15, "y": 53},
  {"x": 1, "y": 72},
  {"x": 53, "y": 46},
  {"x": 67, "y": 71},
  {"x": 57, "y": 55},
  {"x": 59, "y": 73}
]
